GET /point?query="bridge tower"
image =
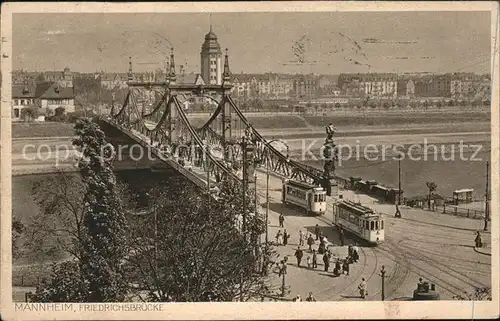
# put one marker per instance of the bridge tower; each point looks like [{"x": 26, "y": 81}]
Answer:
[
  {"x": 172, "y": 116},
  {"x": 226, "y": 111}
]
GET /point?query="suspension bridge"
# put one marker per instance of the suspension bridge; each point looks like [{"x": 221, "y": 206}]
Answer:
[{"x": 226, "y": 147}]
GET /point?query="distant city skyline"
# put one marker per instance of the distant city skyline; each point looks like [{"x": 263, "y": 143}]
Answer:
[{"x": 313, "y": 42}]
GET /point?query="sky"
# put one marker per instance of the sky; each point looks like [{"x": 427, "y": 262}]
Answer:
[{"x": 298, "y": 42}]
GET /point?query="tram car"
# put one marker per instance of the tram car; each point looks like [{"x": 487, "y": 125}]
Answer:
[
  {"x": 309, "y": 197},
  {"x": 360, "y": 220}
]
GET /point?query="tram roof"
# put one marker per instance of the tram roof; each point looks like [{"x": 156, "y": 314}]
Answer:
[
  {"x": 358, "y": 208},
  {"x": 301, "y": 184}
]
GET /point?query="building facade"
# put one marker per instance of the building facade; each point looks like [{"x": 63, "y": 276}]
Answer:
[{"x": 211, "y": 59}]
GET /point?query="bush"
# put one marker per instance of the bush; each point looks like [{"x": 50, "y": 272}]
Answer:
[
  {"x": 72, "y": 117},
  {"x": 60, "y": 111},
  {"x": 29, "y": 113}
]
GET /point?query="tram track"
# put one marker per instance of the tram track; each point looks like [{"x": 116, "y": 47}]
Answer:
[{"x": 439, "y": 280}]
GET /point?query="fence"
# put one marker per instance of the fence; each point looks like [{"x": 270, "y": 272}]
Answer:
[{"x": 463, "y": 212}]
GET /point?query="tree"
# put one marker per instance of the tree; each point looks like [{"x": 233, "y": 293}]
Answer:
[
  {"x": 432, "y": 186},
  {"x": 60, "y": 111},
  {"x": 85, "y": 216},
  {"x": 104, "y": 246},
  {"x": 29, "y": 113},
  {"x": 63, "y": 285},
  {"x": 197, "y": 253},
  {"x": 58, "y": 227}
]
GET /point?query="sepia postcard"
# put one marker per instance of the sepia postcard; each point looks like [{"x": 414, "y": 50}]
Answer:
[{"x": 249, "y": 160}]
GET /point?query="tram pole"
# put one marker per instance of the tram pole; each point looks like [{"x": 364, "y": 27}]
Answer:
[
  {"x": 487, "y": 202},
  {"x": 399, "y": 180},
  {"x": 382, "y": 274}
]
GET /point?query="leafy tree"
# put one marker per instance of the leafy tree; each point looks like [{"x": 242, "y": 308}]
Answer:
[
  {"x": 432, "y": 186},
  {"x": 197, "y": 253},
  {"x": 60, "y": 111},
  {"x": 64, "y": 284},
  {"x": 58, "y": 227},
  {"x": 104, "y": 247}
]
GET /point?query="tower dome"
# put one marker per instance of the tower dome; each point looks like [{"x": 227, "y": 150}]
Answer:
[{"x": 211, "y": 59}]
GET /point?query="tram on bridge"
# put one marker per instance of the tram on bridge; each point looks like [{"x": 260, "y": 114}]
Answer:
[
  {"x": 307, "y": 196},
  {"x": 360, "y": 220}
]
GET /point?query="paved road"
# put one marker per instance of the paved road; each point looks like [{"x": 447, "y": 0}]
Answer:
[{"x": 437, "y": 247}]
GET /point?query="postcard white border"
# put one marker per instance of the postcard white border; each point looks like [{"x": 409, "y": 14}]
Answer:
[{"x": 244, "y": 311}]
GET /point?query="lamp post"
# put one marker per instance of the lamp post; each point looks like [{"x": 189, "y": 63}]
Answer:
[
  {"x": 382, "y": 274},
  {"x": 487, "y": 202}
]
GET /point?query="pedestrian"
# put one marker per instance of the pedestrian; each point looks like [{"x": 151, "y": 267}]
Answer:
[
  {"x": 314, "y": 260},
  {"x": 349, "y": 250},
  {"x": 286, "y": 236},
  {"x": 337, "y": 268},
  {"x": 326, "y": 261},
  {"x": 301, "y": 238},
  {"x": 355, "y": 252},
  {"x": 279, "y": 237},
  {"x": 345, "y": 267},
  {"x": 478, "y": 241},
  {"x": 297, "y": 298},
  {"x": 298, "y": 255},
  {"x": 362, "y": 288},
  {"x": 398, "y": 213},
  {"x": 317, "y": 231},
  {"x": 341, "y": 236},
  {"x": 310, "y": 298},
  {"x": 281, "y": 220},
  {"x": 309, "y": 262},
  {"x": 320, "y": 235},
  {"x": 310, "y": 242}
]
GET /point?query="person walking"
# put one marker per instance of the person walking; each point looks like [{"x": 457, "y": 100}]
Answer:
[
  {"x": 310, "y": 242},
  {"x": 301, "y": 238},
  {"x": 337, "y": 268},
  {"x": 286, "y": 236},
  {"x": 310, "y": 298},
  {"x": 398, "y": 213},
  {"x": 477, "y": 240},
  {"x": 326, "y": 261},
  {"x": 279, "y": 237},
  {"x": 317, "y": 231},
  {"x": 355, "y": 252},
  {"x": 299, "y": 254},
  {"x": 308, "y": 262},
  {"x": 362, "y": 288},
  {"x": 314, "y": 260},
  {"x": 281, "y": 220},
  {"x": 345, "y": 267}
]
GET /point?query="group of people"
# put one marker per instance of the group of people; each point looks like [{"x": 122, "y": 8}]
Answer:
[{"x": 310, "y": 298}]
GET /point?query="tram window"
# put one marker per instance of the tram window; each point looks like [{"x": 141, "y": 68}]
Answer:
[
  {"x": 376, "y": 225},
  {"x": 382, "y": 224},
  {"x": 372, "y": 225},
  {"x": 367, "y": 225},
  {"x": 315, "y": 198}
]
